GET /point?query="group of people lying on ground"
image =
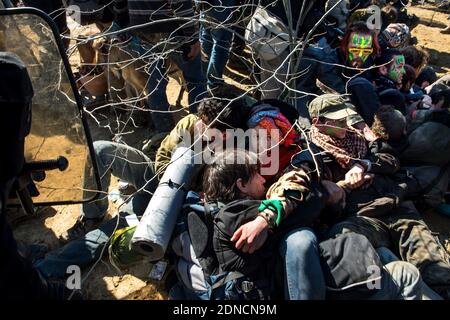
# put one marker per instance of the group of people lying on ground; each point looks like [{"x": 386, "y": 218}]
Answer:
[
  {"x": 350, "y": 158},
  {"x": 331, "y": 181}
]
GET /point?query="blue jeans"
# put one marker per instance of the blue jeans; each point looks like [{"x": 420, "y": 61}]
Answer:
[
  {"x": 304, "y": 279},
  {"x": 157, "y": 84},
  {"x": 403, "y": 279},
  {"x": 81, "y": 252},
  {"x": 128, "y": 164},
  {"x": 216, "y": 41}
]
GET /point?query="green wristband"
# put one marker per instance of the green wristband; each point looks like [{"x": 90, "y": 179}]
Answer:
[{"x": 275, "y": 206}]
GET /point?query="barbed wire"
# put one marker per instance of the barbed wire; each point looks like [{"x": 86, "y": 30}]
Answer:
[{"x": 126, "y": 59}]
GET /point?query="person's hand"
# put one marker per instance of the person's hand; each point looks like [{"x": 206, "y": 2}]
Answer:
[
  {"x": 195, "y": 50},
  {"x": 424, "y": 84},
  {"x": 335, "y": 192},
  {"x": 199, "y": 127},
  {"x": 366, "y": 131},
  {"x": 251, "y": 236},
  {"x": 368, "y": 134},
  {"x": 427, "y": 101},
  {"x": 356, "y": 177}
]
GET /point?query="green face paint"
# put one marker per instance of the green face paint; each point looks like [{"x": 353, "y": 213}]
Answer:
[
  {"x": 330, "y": 131},
  {"x": 335, "y": 132},
  {"x": 397, "y": 69},
  {"x": 362, "y": 41},
  {"x": 335, "y": 128},
  {"x": 399, "y": 60},
  {"x": 360, "y": 47}
]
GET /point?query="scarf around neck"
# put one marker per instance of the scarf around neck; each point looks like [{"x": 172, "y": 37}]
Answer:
[{"x": 353, "y": 146}]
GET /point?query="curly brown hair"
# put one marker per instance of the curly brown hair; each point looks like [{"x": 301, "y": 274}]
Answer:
[
  {"x": 415, "y": 56},
  {"x": 389, "y": 123},
  {"x": 211, "y": 109}
]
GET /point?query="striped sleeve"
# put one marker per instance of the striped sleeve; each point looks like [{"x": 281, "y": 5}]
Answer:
[{"x": 185, "y": 9}]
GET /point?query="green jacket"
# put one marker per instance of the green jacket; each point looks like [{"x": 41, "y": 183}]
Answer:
[{"x": 168, "y": 145}]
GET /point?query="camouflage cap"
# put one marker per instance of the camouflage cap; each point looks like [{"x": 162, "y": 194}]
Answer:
[
  {"x": 331, "y": 106},
  {"x": 354, "y": 119}
]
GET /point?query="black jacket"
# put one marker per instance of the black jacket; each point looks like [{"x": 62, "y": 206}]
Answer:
[
  {"x": 239, "y": 212},
  {"x": 389, "y": 94}
]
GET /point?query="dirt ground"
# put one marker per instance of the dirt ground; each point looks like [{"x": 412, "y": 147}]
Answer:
[
  {"x": 104, "y": 282},
  {"x": 428, "y": 36}
]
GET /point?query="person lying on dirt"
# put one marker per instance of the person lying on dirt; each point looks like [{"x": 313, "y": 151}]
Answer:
[
  {"x": 421, "y": 138},
  {"x": 224, "y": 101},
  {"x": 410, "y": 91},
  {"x": 440, "y": 84},
  {"x": 358, "y": 48},
  {"x": 89, "y": 234},
  {"x": 426, "y": 77},
  {"x": 395, "y": 36},
  {"x": 429, "y": 105},
  {"x": 346, "y": 154},
  {"x": 416, "y": 57},
  {"x": 422, "y": 144},
  {"x": 269, "y": 114},
  {"x": 272, "y": 240},
  {"x": 136, "y": 167},
  {"x": 394, "y": 128},
  {"x": 248, "y": 232},
  {"x": 385, "y": 191},
  {"x": 402, "y": 229},
  {"x": 391, "y": 126},
  {"x": 282, "y": 134}
]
